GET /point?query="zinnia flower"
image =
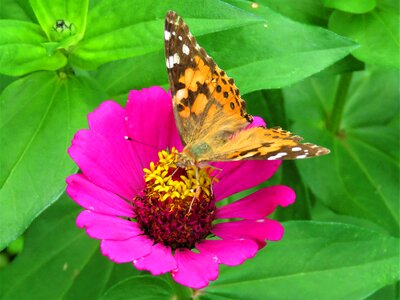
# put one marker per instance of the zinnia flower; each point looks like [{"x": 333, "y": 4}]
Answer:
[{"x": 162, "y": 218}]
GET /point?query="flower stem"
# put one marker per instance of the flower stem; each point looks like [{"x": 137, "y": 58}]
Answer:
[
  {"x": 340, "y": 101},
  {"x": 180, "y": 292}
]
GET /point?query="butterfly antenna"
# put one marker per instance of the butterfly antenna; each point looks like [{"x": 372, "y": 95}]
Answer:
[{"x": 128, "y": 138}]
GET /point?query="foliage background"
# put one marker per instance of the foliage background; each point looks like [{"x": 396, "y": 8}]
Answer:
[{"x": 325, "y": 69}]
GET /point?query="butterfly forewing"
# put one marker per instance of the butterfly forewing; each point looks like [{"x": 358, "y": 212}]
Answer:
[
  {"x": 209, "y": 112},
  {"x": 202, "y": 93}
]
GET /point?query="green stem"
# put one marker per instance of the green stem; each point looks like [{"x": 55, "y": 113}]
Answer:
[
  {"x": 340, "y": 101},
  {"x": 180, "y": 292}
]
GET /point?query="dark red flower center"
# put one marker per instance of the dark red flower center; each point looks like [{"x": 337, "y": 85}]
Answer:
[{"x": 178, "y": 206}]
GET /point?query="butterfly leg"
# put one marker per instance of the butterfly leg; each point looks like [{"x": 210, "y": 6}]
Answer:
[
  {"x": 214, "y": 178},
  {"x": 197, "y": 189},
  {"x": 211, "y": 186}
]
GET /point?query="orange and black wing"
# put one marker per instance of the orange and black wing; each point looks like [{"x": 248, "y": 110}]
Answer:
[{"x": 203, "y": 95}]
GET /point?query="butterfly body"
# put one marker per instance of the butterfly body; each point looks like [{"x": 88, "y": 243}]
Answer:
[{"x": 209, "y": 112}]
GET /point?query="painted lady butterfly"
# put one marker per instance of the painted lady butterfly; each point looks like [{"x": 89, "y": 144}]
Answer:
[{"x": 209, "y": 112}]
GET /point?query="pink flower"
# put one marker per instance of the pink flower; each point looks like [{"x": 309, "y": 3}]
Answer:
[{"x": 147, "y": 211}]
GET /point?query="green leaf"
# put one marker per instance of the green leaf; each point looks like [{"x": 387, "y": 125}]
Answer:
[
  {"x": 322, "y": 213},
  {"x": 360, "y": 177},
  {"x": 5, "y": 81},
  {"x": 39, "y": 115},
  {"x": 387, "y": 293},
  {"x": 257, "y": 57},
  {"x": 140, "y": 30},
  {"x": 16, "y": 246},
  {"x": 288, "y": 51},
  {"x": 313, "y": 261},
  {"x": 140, "y": 287},
  {"x": 21, "y": 51},
  {"x": 62, "y": 258},
  {"x": 4, "y": 260},
  {"x": 305, "y": 11},
  {"x": 377, "y": 32},
  {"x": 17, "y": 10},
  {"x": 351, "y": 6},
  {"x": 345, "y": 65},
  {"x": 118, "y": 77},
  {"x": 73, "y": 13},
  {"x": 268, "y": 104}
]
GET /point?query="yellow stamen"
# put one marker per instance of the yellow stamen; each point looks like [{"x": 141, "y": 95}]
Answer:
[{"x": 163, "y": 183}]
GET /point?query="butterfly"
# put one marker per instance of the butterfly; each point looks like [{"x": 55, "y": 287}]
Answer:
[{"x": 209, "y": 112}]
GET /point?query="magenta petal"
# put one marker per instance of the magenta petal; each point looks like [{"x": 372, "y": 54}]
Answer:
[
  {"x": 257, "y": 230},
  {"x": 259, "y": 204},
  {"x": 102, "y": 164},
  {"x": 109, "y": 121},
  {"x": 150, "y": 123},
  {"x": 107, "y": 227},
  {"x": 257, "y": 122},
  {"x": 195, "y": 270},
  {"x": 95, "y": 198},
  {"x": 103, "y": 154},
  {"x": 159, "y": 261},
  {"x": 126, "y": 250},
  {"x": 242, "y": 175},
  {"x": 229, "y": 252}
]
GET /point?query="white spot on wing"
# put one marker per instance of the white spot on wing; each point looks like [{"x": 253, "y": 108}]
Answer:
[
  {"x": 180, "y": 94},
  {"x": 167, "y": 35},
  {"x": 169, "y": 64},
  {"x": 185, "y": 49},
  {"x": 296, "y": 149},
  {"x": 172, "y": 60},
  {"x": 250, "y": 154},
  {"x": 180, "y": 38},
  {"x": 277, "y": 156},
  {"x": 176, "y": 58},
  {"x": 301, "y": 156}
]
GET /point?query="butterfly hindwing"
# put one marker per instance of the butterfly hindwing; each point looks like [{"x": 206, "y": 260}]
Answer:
[
  {"x": 263, "y": 143},
  {"x": 202, "y": 93}
]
